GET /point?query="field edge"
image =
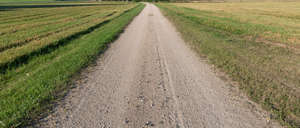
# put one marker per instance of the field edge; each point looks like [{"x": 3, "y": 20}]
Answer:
[
  {"x": 43, "y": 104},
  {"x": 280, "y": 113}
]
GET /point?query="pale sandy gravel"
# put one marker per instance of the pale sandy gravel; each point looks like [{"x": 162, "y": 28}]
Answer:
[{"x": 150, "y": 78}]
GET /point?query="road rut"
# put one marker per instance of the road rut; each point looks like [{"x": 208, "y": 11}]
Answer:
[{"x": 150, "y": 78}]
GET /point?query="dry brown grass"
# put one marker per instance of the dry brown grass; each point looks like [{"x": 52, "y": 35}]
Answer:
[
  {"x": 246, "y": 41},
  {"x": 281, "y": 20}
]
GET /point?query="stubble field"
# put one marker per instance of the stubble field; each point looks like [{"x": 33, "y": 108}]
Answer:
[{"x": 257, "y": 44}]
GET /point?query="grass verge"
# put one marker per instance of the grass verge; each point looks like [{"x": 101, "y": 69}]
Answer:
[
  {"x": 23, "y": 36},
  {"x": 34, "y": 84},
  {"x": 267, "y": 73}
]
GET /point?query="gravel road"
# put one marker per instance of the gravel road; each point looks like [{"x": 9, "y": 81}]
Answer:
[{"x": 150, "y": 78}]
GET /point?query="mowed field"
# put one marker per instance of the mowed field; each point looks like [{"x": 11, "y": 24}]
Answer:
[
  {"x": 276, "y": 22},
  {"x": 257, "y": 44},
  {"x": 25, "y": 1},
  {"x": 24, "y": 30},
  {"x": 43, "y": 45}
]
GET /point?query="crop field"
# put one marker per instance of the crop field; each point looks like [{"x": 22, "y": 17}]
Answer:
[
  {"x": 257, "y": 44},
  {"x": 275, "y": 22},
  {"x": 36, "y": 38},
  {"x": 26, "y": 30},
  {"x": 25, "y": 1}
]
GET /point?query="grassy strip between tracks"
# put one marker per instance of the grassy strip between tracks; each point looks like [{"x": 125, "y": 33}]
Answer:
[
  {"x": 269, "y": 74},
  {"x": 34, "y": 84}
]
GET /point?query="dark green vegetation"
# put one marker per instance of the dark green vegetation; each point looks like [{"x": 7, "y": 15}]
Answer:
[
  {"x": 15, "y": 1},
  {"x": 267, "y": 72},
  {"x": 30, "y": 82}
]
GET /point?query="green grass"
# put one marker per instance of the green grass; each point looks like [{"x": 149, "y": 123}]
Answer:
[
  {"x": 35, "y": 1},
  {"x": 29, "y": 28},
  {"x": 268, "y": 73},
  {"x": 29, "y": 87},
  {"x": 272, "y": 21},
  {"x": 26, "y": 0}
]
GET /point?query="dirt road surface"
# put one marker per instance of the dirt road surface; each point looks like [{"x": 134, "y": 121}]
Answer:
[{"x": 150, "y": 78}]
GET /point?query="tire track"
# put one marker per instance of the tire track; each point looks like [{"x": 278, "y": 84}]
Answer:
[{"x": 150, "y": 78}]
